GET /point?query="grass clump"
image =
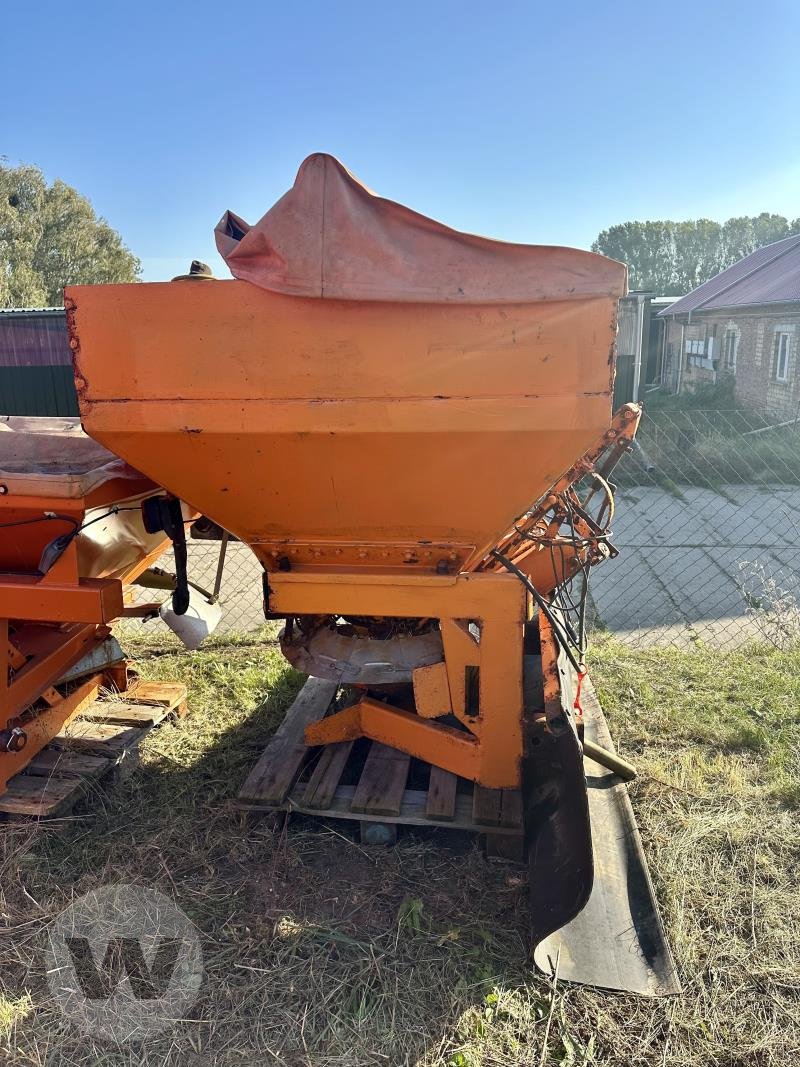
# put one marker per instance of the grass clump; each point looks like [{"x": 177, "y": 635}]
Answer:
[
  {"x": 320, "y": 951},
  {"x": 12, "y": 1013}
]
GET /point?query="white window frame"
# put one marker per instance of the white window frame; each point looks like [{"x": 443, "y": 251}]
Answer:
[
  {"x": 730, "y": 348},
  {"x": 782, "y": 342}
]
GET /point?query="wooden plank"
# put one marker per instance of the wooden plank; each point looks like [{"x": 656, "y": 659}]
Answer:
[
  {"x": 412, "y": 810},
  {"x": 327, "y": 774},
  {"x": 113, "y": 711},
  {"x": 170, "y": 695},
  {"x": 101, "y": 744},
  {"x": 486, "y": 806},
  {"x": 442, "y": 789},
  {"x": 98, "y": 738},
  {"x": 47, "y": 723},
  {"x": 61, "y": 763},
  {"x": 29, "y": 795},
  {"x": 281, "y": 761},
  {"x": 511, "y": 808},
  {"x": 383, "y": 781}
]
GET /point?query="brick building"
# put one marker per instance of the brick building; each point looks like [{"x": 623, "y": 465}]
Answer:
[{"x": 745, "y": 322}]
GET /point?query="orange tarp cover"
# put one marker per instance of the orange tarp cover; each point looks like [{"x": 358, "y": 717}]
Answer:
[{"x": 330, "y": 236}]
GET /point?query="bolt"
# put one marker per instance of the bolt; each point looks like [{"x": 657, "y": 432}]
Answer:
[{"x": 13, "y": 740}]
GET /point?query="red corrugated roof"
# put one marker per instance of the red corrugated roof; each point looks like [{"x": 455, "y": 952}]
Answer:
[
  {"x": 770, "y": 275},
  {"x": 37, "y": 338}
]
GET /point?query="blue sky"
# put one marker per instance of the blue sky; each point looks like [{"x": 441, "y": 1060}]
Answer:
[{"x": 525, "y": 121}]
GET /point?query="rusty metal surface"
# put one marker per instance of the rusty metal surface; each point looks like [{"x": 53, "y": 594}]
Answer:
[
  {"x": 98, "y": 658},
  {"x": 352, "y": 659},
  {"x": 555, "y": 805},
  {"x": 556, "y": 813}
]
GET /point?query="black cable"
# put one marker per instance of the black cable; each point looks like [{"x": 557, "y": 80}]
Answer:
[
  {"x": 76, "y": 526},
  {"x": 570, "y": 626},
  {"x": 581, "y": 612},
  {"x": 54, "y": 549},
  {"x": 97, "y": 518},
  {"x": 562, "y": 588},
  {"x": 41, "y": 518},
  {"x": 563, "y": 595},
  {"x": 542, "y": 604},
  {"x": 544, "y": 539}
]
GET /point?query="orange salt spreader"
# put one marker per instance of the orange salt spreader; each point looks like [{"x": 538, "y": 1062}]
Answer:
[
  {"x": 72, "y": 539},
  {"x": 412, "y": 428}
]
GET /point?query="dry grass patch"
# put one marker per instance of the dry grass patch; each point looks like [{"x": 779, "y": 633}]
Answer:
[{"x": 321, "y": 952}]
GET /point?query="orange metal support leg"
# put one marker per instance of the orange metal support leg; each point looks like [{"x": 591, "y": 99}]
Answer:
[
  {"x": 491, "y": 752},
  {"x": 441, "y": 745}
]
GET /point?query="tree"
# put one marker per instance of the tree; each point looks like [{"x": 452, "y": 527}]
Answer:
[
  {"x": 672, "y": 258},
  {"x": 50, "y": 237},
  {"x": 741, "y": 236}
]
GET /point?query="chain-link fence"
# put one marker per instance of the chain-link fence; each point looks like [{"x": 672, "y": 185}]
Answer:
[
  {"x": 707, "y": 525},
  {"x": 708, "y": 529},
  {"x": 241, "y": 593}
]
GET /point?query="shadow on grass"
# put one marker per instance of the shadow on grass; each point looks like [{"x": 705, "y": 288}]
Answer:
[{"x": 317, "y": 948}]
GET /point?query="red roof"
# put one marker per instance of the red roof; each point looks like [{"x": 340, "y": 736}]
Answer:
[
  {"x": 34, "y": 337},
  {"x": 770, "y": 275}
]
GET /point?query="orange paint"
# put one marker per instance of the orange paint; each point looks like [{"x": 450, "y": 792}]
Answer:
[
  {"x": 48, "y": 622},
  {"x": 334, "y": 431},
  {"x": 371, "y": 452}
]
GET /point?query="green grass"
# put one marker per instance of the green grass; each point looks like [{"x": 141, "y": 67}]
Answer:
[
  {"x": 319, "y": 951},
  {"x": 742, "y": 708},
  {"x": 703, "y": 396},
  {"x": 709, "y": 450}
]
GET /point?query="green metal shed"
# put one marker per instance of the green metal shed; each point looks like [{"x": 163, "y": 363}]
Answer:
[{"x": 35, "y": 363}]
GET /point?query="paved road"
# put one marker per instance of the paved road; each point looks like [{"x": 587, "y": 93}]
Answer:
[
  {"x": 686, "y": 562},
  {"x": 683, "y": 563}
]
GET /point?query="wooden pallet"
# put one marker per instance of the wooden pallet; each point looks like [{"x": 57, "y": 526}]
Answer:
[
  {"x": 368, "y": 782},
  {"x": 99, "y": 746}
]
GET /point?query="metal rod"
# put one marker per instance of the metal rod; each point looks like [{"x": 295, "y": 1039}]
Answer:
[
  {"x": 610, "y": 760},
  {"x": 223, "y": 547}
]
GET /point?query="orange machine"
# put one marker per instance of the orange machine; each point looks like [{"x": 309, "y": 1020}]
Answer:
[
  {"x": 71, "y": 538},
  {"x": 412, "y": 429}
]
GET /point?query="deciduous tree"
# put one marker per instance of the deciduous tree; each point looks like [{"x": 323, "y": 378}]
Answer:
[
  {"x": 672, "y": 258},
  {"x": 50, "y": 237}
]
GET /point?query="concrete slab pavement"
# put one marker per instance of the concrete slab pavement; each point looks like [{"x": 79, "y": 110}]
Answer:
[{"x": 686, "y": 560}]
